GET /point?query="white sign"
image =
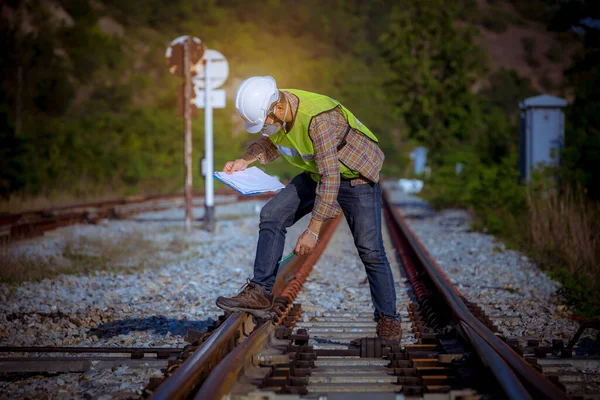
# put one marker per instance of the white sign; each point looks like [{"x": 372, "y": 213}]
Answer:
[
  {"x": 219, "y": 70},
  {"x": 217, "y": 98}
]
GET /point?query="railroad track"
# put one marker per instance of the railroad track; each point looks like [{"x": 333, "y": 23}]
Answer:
[
  {"x": 337, "y": 355},
  {"x": 21, "y": 361},
  {"x": 25, "y": 225},
  {"x": 457, "y": 354}
]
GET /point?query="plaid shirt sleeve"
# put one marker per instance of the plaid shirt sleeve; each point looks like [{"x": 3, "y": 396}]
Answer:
[
  {"x": 324, "y": 131},
  {"x": 263, "y": 149}
]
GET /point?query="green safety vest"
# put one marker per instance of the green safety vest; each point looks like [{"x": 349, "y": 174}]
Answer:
[{"x": 296, "y": 146}]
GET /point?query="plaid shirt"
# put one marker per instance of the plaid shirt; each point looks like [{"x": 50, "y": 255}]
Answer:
[{"x": 326, "y": 130}]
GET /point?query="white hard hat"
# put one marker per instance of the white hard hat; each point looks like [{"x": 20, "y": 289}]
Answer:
[{"x": 253, "y": 99}]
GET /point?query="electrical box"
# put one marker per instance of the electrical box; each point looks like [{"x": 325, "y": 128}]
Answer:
[{"x": 542, "y": 131}]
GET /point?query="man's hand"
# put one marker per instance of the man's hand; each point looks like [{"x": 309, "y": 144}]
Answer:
[
  {"x": 240, "y": 164},
  {"x": 233, "y": 166},
  {"x": 306, "y": 244}
]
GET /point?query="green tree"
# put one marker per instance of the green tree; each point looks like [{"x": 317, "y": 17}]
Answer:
[
  {"x": 435, "y": 63},
  {"x": 582, "y": 137}
]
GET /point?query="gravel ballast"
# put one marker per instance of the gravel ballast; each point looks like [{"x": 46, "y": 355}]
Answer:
[
  {"x": 170, "y": 281},
  {"x": 513, "y": 292}
]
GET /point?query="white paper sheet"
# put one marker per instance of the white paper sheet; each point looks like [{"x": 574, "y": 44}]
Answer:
[{"x": 250, "y": 181}]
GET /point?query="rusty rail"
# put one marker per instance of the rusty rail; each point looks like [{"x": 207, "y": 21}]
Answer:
[
  {"x": 497, "y": 354},
  {"x": 197, "y": 367},
  {"x": 223, "y": 377},
  {"x": 136, "y": 352},
  {"x": 196, "y": 370},
  {"x": 28, "y": 224},
  {"x": 221, "y": 380}
]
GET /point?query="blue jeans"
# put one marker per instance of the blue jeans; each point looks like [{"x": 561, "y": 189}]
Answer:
[{"x": 361, "y": 205}]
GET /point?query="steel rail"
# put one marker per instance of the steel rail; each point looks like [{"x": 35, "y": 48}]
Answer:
[
  {"x": 537, "y": 383},
  {"x": 196, "y": 368},
  {"x": 13, "y": 217},
  {"x": 72, "y": 210},
  {"x": 100, "y": 350},
  {"x": 222, "y": 378},
  {"x": 41, "y": 365},
  {"x": 28, "y": 224},
  {"x": 510, "y": 383}
]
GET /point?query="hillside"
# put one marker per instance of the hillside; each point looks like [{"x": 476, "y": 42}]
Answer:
[
  {"x": 514, "y": 42},
  {"x": 86, "y": 95}
]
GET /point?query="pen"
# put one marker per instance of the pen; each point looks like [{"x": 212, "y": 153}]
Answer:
[{"x": 287, "y": 257}]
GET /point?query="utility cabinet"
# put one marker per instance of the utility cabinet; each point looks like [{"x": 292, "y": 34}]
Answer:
[{"x": 542, "y": 132}]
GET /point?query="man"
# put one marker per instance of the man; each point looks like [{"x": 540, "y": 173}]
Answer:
[{"x": 341, "y": 162}]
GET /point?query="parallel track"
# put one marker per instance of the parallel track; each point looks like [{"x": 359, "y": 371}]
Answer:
[
  {"x": 29, "y": 224},
  {"x": 19, "y": 361}
]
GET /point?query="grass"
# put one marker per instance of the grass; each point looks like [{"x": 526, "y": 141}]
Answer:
[
  {"x": 561, "y": 234},
  {"x": 125, "y": 253},
  {"x": 24, "y": 201},
  {"x": 565, "y": 240},
  {"x": 83, "y": 192},
  {"x": 567, "y": 226},
  {"x": 557, "y": 226}
]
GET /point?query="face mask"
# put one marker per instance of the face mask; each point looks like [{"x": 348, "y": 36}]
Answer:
[{"x": 271, "y": 129}]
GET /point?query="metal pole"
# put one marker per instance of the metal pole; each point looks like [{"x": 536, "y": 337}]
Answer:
[
  {"x": 208, "y": 150},
  {"x": 187, "y": 146}
]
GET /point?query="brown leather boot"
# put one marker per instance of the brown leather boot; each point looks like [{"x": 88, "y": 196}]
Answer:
[
  {"x": 389, "y": 329},
  {"x": 252, "y": 297}
]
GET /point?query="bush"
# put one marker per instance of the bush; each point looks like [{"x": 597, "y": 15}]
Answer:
[
  {"x": 139, "y": 148},
  {"x": 579, "y": 293},
  {"x": 506, "y": 90},
  {"x": 492, "y": 192},
  {"x": 556, "y": 225}
]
